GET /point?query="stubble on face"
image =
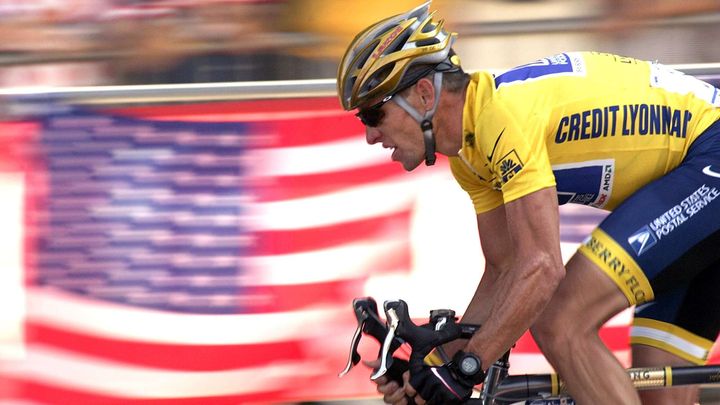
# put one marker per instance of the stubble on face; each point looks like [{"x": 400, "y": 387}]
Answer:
[
  {"x": 410, "y": 162},
  {"x": 407, "y": 139}
]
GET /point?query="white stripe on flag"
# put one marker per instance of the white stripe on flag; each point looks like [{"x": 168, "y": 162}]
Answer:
[
  {"x": 12, "y": 295},
  {"x": 535, "y": 363},
  {"x": 323, "y": 158},
  {"x": 337, "y": 263},
  {"x": 330, "y": 209},
  {"x": 94, "y": 317}
]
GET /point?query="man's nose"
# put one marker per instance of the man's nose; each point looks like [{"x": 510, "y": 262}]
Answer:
[{"x": 372, "y": 135}]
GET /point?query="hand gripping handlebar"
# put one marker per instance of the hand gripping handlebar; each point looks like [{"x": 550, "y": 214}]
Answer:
[{"x": 423, "y": 339}]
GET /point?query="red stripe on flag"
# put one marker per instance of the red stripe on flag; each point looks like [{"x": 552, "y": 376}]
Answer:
[
  {"x": 284, "y": 241},
  {"x": 285, "y": 298},
  {"x": 315, "y": 130},
  {"x": 29, "y": 390},
  {"x": 714, "y": 357},
  {"x": 185, "y": 357},
  {"x": 14, "y": 146},
  {"x": 232, "y": 107},
  {"x": 614, "y": 337}
]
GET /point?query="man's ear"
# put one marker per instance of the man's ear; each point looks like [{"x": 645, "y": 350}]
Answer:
[{"x": 426, "y": 91}]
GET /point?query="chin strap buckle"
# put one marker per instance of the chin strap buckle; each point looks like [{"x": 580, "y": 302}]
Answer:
[{"x": 429, "y": 139}]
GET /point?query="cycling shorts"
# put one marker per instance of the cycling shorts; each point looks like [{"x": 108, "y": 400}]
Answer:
[{"x": 661, "y": 246}]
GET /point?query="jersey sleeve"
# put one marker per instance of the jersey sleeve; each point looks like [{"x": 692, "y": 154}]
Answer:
[
  {"x": 483, "y": 197},
  {"x": 515, "y": 152}
]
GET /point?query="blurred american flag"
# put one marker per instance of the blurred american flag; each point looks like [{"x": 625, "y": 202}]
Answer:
[{"x": 197, "y": 254}]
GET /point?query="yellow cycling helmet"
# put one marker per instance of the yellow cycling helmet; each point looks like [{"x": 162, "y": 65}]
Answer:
[{"x": 376, "y": 61}]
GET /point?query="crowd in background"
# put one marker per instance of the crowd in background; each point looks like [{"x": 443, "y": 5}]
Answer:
[{"x": 89, "y": 42}]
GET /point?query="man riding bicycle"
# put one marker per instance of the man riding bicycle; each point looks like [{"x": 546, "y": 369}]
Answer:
[{"x": 625, "y": 135}]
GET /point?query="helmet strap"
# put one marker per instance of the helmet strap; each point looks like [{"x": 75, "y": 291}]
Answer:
[{"x": 425, "y": 120}]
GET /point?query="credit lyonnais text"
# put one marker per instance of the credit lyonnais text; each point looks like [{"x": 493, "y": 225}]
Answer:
[{"x": 623, "y": 120}]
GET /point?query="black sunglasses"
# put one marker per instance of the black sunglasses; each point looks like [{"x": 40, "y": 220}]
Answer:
[{"x": 372, "y": 115}]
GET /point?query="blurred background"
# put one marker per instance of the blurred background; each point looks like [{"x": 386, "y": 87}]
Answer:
[
  {"x": 92, "y": 42},
  {"x": 188, "y": 213}
]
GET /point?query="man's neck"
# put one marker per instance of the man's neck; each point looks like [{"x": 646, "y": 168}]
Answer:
[{"x": 448, "y": 133}]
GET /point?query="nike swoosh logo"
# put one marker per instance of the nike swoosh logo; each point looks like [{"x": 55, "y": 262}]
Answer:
[
  {"x": 490, "y": 156},
  {"x": 707, "y": 170}
]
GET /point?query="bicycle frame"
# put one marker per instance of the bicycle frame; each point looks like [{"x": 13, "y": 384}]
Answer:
[{"x": 500, "y": 388}]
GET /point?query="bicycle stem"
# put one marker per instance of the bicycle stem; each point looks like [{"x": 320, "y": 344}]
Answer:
[{"x": 495, "y": 373}]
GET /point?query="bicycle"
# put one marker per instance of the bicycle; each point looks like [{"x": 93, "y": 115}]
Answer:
[{"x": 499, "y": 387}]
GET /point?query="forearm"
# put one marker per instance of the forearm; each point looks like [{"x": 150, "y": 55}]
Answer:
[
  {"x": 525, "y": 245},
  {"x": 518, "y": 298}
]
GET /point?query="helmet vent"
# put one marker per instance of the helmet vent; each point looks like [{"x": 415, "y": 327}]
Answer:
[
  {"x": 428, "y": 42},
  {"x": 428, "y": 28}
]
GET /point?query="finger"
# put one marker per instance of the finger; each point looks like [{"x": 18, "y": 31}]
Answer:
[
  {"x": 395, "y": 397},
  {"x": 372, "y": 363},
  {"x": 382, "y": 381},
  {"x": 409, "y": 389},
  {"x": 392, "y": 392},
  {"x": 389, "y": 388}
]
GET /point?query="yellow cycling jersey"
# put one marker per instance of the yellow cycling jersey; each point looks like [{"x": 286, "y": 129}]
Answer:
[{"x": 597, "y": 126}]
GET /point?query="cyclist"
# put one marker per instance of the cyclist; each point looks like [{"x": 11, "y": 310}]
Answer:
[{"x": 625, "y": 135}]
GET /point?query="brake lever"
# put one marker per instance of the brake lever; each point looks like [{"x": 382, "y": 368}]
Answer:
[
  {"x": 369, "y": 323},
  {"x": 438, "y": 319},
  {"x": 354, "y": 356},
  {"x": 385, "y": 359},
  {"x": 363, "y": 307}
]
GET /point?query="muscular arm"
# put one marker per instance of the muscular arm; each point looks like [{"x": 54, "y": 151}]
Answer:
[
  {"x": 497, "y": 250},
  {"x": 521, "y": 245}
]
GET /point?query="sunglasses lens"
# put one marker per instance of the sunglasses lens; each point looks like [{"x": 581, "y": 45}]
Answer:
[{"x": 371, "y": 117}]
